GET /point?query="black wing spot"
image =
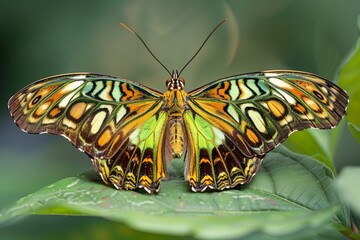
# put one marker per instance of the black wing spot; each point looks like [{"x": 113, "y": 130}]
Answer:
[
  {"x": 36, "y": 100},
  {"x": 318, "y": 95}
]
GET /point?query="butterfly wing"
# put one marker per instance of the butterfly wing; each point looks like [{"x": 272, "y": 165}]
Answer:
[
  {"x": 233, "y": 122},
  {"x": 117, "y": 122}
]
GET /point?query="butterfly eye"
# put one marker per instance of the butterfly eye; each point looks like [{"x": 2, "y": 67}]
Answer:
[
  {"x": 182, "y": 81},
  {"x": 168, "y": 81}
]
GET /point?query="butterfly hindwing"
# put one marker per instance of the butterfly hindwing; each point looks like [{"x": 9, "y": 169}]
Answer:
[
  {"x": 117, "y": 122},
  {"x": 214, "y": 159},
  {"x": 252, "y": 113},
  {"x": 138, "y": 162}
]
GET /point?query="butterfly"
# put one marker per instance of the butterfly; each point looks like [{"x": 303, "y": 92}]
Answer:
[{"x": 223, "y": 129}]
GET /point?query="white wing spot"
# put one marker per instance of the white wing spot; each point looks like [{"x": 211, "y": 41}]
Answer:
[
  {"x": 97, "y": 122},
  {"x": 66, "y": 100},
  {"x": 287, "y": 97},
  {"x": 271, "y": 74},
  {"x": 120, "y": 114},
  {"x": 234, "y": 91},
  {"x": 69, "y": 124},
  {"x": 232, "y": 111},
  {"x": 116, "y": 92},
  {"x": 280, "y": 83},
  {"x": 79, "y": 77},
  {"x": 71, "y": 86},
  {"x": 258, "y": 120}
]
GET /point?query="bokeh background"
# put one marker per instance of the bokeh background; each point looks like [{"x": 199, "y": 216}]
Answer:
[{"x": 42, "y": 38}]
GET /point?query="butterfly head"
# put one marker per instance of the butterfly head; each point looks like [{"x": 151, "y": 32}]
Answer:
[{"x": 175, "y": 82}]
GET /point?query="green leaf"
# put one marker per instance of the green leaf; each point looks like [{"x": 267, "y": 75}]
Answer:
[
  {"x": 347, "y": 184},
  {"x": 355, "y": 131},
  {"x": 290, "y": 193},
  {"x": 349, "y": 79},
  {"x": 315, "y": 143}
]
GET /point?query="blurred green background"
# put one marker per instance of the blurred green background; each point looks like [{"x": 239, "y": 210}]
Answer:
[{"x": 43, "y": 38}]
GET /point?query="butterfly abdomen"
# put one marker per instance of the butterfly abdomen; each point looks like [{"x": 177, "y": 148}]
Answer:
[{"x": 177, "y": 142}]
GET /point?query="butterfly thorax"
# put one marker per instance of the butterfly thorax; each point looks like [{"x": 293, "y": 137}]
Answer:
[{"x": 175, "y": 98}]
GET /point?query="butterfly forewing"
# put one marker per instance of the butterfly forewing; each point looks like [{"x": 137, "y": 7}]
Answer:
[
  {"x": 246, "y": 116},
  {"x": 117, "y": 122}
]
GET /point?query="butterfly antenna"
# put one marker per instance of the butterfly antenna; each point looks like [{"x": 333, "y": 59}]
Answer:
[
  {"x": 143, "y": 42},
  {"x": 217, "y": 26}
]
